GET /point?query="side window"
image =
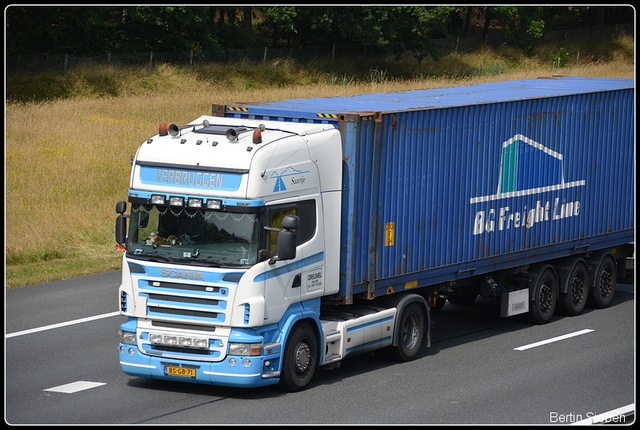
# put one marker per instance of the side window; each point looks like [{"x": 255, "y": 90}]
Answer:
[
  {"x": 276, "y": 215},
  {"x": 305, "y": 210}
]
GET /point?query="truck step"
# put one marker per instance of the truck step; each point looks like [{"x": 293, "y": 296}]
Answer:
[
  {"x": 332, "y": 337},
  {"x": 331, "y": 358}
]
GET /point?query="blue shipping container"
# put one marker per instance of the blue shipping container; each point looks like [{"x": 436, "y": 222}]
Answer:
[{"x": 451, "y": 182}]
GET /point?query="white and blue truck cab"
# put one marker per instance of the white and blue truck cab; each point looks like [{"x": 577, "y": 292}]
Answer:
[
  {"x": 267, "y": 240},
  {"x": 233, "y": 238}
]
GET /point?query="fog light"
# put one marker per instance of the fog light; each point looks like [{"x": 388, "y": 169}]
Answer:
[
  {"x": 267, "y": 364},
  {"x": 232, "y": 361},
  {"x": 122, "y": 350},
  {"x": 200, "y": 343},
  {"x": 246, "y": 362},
  {"x": 130, "y": 351},
  {"x": 186, "y": 341},
  {"x": 155, "y": 338},
  {"x": 170, "y": 340}
]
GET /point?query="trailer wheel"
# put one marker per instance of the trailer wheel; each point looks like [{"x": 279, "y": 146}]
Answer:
[
  {"x": 411, "y": 332},
  {"x": 300, "y": 358},
  {"x": 544, "y": 295},
  {"x": 573, "y": 301},
  {"x": 604, "y": 280}
]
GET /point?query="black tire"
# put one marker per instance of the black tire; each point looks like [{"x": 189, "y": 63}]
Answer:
[
  {"x": 574, "y": 300},
  {"x": 543, "y": 295},
  {"x": 603, "y": 280},
  {"x": 300, "y": 358},
  {"x": 411, "y": 332}
]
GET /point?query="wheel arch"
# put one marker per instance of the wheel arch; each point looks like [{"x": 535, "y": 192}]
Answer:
[
  {"x": 401, "y": 301},
  {"x": 307, "y": 316}
]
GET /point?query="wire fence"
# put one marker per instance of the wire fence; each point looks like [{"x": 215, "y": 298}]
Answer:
[{"x": 335, "y": 52}]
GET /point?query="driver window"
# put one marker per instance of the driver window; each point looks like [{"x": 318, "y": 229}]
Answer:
[{"x": 305, "y": 210}]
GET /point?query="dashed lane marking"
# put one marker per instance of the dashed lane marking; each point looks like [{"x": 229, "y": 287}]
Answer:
[
  {"x": 553, "y": 339},
  {"x": 62, "y": 324},
  {"x": 74, "y": 387}
]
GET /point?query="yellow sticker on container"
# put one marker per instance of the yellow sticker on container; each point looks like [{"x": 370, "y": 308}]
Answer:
[
  {"x": 389, "y": 233},
  {"x": 410, "y": 284}
]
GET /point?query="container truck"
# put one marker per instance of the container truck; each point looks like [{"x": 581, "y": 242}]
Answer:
[{"x": 267, "y": 240}]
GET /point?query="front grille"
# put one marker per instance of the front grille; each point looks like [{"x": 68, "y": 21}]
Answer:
[
  {"x": 192, "y": 300},
  {"x": 185, "y": 303},
  {"x": 182, "y": 312}
]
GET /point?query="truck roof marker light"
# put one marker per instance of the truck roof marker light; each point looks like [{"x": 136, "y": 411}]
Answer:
[
  {"x": 194, "y": 203},
  {"x": 214, "y": 204},
  {"x": 176, "y": 201},
  {"x": 163, "y": 131},
  {"x": 157, "y": 199}
]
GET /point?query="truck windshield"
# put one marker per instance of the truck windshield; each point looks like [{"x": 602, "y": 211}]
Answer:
[{"x": 193, "y": 236}]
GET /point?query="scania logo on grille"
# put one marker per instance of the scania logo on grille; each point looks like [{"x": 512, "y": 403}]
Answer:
[{"x": 185, "y": 274}]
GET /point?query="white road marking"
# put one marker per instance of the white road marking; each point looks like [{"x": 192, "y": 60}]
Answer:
[
  {"x": 614, "y": 416},
  {"x": 62, "y": 324},
  {"x": 74, "y": 387},
  {"x": 553, "y": 339}
]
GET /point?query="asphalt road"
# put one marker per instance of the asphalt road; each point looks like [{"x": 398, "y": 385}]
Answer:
[{"x": 471, "y": 374}]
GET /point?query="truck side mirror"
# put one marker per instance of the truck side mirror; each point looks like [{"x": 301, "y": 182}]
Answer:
[
  {"x": 121, "y": 223},
  {"x": 121, "y": 207},
  {"x": 287, "y": 239}
]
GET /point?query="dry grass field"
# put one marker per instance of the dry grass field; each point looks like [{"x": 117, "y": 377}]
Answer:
[{"x": 67, "y": 159}]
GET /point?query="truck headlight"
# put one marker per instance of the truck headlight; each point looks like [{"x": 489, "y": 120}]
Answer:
[
  {"x": 245, "y": 349},
  {"x": 127, "y": 337}
]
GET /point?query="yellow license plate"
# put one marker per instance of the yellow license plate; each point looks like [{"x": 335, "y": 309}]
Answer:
[{"x": 180, "y": 371}]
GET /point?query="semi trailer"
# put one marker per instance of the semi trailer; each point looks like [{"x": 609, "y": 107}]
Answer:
[{"x": 268, "y": 240}]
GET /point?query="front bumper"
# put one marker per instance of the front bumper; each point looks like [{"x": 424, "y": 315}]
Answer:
[{"x": 254, "y": 373}]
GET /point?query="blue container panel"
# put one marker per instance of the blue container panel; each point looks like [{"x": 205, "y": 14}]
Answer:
[
  {"x": 475, "y": 175},
  {"x": 473, "y": 182}
]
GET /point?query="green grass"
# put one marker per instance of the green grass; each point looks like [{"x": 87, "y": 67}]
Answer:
[{"x": 69, "y": 137}]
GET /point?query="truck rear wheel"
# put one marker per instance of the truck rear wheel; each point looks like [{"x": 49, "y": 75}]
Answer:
[
  {"x": 577, "y": 286},
  {"x": 543, "y": 295},
  {"x": 411, "y": 334},
  {"x": 604, "y": 279},
  {"x": 300, "y": 358}
]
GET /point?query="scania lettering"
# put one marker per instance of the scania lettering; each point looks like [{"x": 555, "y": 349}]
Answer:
[{"x": 267, "y": 242}]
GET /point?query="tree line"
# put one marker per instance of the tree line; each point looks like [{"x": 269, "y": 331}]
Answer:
[{"x": 88, "y": 31}]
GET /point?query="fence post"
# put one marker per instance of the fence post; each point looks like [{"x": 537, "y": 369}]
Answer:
[
  {"x": 191, "y": 58},
  {"x": 66, "y": 61},
  {"x": 151, "y": 59},
  {"x": 455, "y": 50},
  {"x": 264, "y": 59}
]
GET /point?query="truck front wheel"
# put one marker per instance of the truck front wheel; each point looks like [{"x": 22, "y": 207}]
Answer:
[{"x": 300, "y": 358}]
